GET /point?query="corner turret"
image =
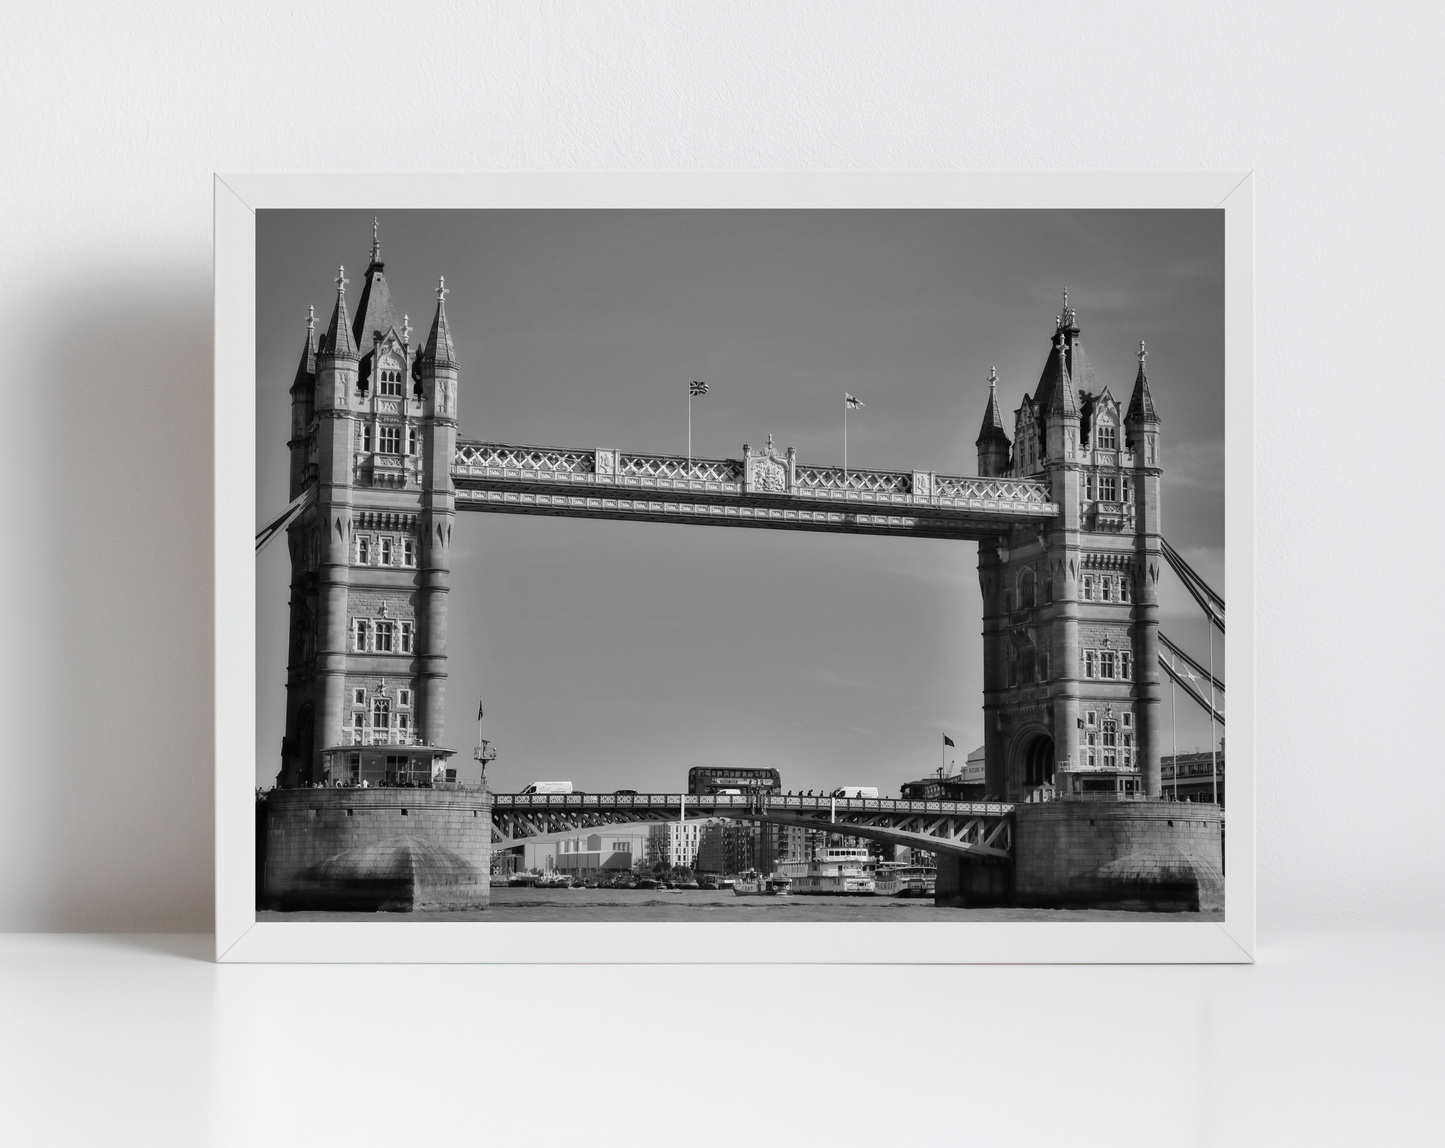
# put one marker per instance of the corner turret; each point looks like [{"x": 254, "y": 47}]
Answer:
[
  {"x": 336, "y": 356},
  {"x": 1142, "y": 421},
  {"x": 993, "y": 442}
]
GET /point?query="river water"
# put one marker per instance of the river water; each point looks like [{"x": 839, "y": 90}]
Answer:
[{"x": 523, "y": 904}]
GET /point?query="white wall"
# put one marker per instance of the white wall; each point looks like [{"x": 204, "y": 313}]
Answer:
[{"x": 115, "y": 116}]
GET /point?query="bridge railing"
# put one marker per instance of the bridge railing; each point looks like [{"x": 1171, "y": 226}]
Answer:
[
  {"x": 723, "y": 804},
  {"x": 620, "y": 470}
]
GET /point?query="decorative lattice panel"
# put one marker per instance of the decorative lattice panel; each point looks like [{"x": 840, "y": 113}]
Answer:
[
  {"x": 869, "y": 481},
  {"x": 538, "y": 460},
  {"x": 1005, "y": 489},
  {"x": 671, "y": 466}
]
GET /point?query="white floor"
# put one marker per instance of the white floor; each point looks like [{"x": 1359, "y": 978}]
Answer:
[{"x": 109, "y": 1040}]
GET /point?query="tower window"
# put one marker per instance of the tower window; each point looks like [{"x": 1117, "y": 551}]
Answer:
[
  {"x": 390, "y": 441},
  {"x": 1128, "y": 720},
  {"x": 1123, "y": 666},
  {"x": 1091, "y": 717},
  {"x": 1106, "y": 586},
  {"x": 1107, "y": 436},
  {"x": 1026, "y": 590},
  {"x": 1108, "y": 488},
  {"x": 358, "y": 697},
  {"x": 381, "y": 713},
  {"x": 403, "y": 697},
  {"x": 1048, "y": 590},
  {"x": 1106, "y": 665},
  {"x": 386, "y": 551},
  {"x": 1088, "y": 589},
  {"x": 1124, "y": 588},
  {"x": 411, "y": 440},
  {"x": 406, "y": 631},
  {"x": 1043, "y": 666},
  {"x": 359, "y": 634},
  {"x": 1089, "y": 664},
  {"x": 363, "y": 551},
  {"x": 366, "y": 438},
  {"x": 383, "y": 637},
  {"x": 358, "y": 726},
  {"x": 390, "y": 383},
  {"x": 408, "y": 552}
]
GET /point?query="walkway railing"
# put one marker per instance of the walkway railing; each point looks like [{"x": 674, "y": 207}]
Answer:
[{"x": 613, "y": 471}]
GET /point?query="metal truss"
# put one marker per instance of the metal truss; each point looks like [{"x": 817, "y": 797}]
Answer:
[{"x": 955, "y": 828}]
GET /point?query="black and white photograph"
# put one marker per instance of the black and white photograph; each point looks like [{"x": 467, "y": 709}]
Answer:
[{"x": 741, "y": 565}]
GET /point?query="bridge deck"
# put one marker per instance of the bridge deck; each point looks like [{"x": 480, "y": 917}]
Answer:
[
  {"x": 958, "y": 828},
  {"x": 763, "y": 490}
]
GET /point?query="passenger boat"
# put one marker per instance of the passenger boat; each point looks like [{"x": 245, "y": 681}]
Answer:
[
  {"x": 832, "y": 872},
  {"x": 891, "y": 879},
  {"x": 754, "y": 884}
]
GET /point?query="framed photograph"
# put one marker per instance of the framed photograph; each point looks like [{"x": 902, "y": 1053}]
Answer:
[{"x": 734, "y": 567}]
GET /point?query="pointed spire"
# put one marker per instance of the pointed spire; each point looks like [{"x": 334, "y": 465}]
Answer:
[
  {"x": 306, "y": 368},
  {"x": 339, "y": 341},
  {"x": 439, "y": 350},
  {"x": 1061, "y": 399},
  {"x": 1141, "y": 403},
  {"x": 993, "y": 428},
  {"x": 375, "y": 240},
  {"x": 1055, "y": 394}
]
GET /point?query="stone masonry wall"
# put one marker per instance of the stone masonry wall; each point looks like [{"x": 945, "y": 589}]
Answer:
[
  {"x": 1142, "y": 855},
  {"x": 305, "y": 827}
]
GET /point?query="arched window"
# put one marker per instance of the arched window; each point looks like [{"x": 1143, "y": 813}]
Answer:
[
  {"x": 1013, "y": 666},
  {"x": 1048, "y": 591},
  {"x": 1026, "y": 590},
  {"x": 380, "y": 714},
  {"x": 1106, "y": 438}
]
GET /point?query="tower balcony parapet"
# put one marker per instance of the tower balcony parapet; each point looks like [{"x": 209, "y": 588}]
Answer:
[{"x": 391, "y": 471}]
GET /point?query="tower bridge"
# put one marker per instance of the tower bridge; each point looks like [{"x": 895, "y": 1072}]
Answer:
[{"x": 1065, "y": 514}]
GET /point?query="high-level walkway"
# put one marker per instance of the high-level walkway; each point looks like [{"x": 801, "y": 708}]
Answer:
[
  {"x": 953, "y": 828},
  {"x": 766, "y": 488}
]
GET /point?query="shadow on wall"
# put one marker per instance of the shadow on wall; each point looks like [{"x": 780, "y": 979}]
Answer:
[{"x": 116, "y": 833}]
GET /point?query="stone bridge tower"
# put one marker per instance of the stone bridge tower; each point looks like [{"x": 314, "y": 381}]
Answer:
[
  {"x": 1070, "y": 607},
  {"x": 373, "y": 433}
]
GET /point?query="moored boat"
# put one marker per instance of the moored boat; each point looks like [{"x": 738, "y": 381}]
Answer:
[
  {"x": 839, "y": 872},
  {"x": 754, "y": 884},
  {"x": 895, "y": 880}
]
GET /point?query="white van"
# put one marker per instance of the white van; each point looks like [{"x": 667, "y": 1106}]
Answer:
[
  {"x": 549, "y": 787},
  {"x": 855, "y": 791}
]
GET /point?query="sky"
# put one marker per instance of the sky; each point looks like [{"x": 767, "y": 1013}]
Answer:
[{"x": 620, "y": 654}]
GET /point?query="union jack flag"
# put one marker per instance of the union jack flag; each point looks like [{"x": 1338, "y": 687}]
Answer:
[
  {"x": 853, "y": 404},
  {"x": 697, "y": 388}
]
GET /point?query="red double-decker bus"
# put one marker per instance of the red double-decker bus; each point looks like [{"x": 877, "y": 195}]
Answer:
[{"x": 705, "y": 782}]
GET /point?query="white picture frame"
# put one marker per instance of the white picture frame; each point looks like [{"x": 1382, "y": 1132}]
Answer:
[{"x": 241, "y": 938}]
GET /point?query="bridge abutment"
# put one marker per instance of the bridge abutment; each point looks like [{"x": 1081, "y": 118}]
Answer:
[{"x": 364, "y": 850}]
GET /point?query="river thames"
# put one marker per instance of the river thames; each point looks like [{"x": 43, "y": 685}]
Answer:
[{"x": 601, "y": 905}]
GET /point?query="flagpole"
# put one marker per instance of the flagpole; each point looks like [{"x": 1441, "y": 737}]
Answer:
[
  {"x": 1174, "y": 721},
  {"x": 689, "y": 430},
  {"x": 1213, "y": 770},
  {"x": 845, "y": 442}
]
